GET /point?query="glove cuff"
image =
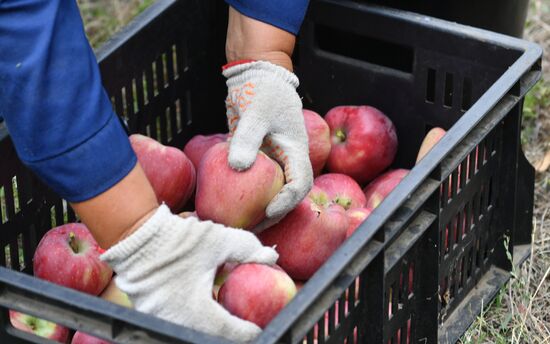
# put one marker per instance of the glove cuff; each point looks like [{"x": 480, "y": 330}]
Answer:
[
  {"x": 235, "y": 63},
  {"x": 243, "y": 72},
  {"x": 142, "y": 236}
]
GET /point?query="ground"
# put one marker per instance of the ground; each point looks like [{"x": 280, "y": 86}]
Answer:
[
  {"x": 102, "y": 18},
  {"x": 520, "y": 313}
]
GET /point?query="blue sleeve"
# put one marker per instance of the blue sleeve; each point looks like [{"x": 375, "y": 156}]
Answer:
[
  {"x": 53, "y": 103},
  {"x": 284, "y": 14}
]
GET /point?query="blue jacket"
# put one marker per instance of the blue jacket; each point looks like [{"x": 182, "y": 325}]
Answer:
[{"x": 51, "y": 98}]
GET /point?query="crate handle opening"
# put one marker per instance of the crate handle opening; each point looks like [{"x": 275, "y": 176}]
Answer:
[{"x": 359, "y": 47}]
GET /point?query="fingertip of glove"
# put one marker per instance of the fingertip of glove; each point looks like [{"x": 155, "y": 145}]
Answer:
[
  {"x": 239, "y": 161},
  {"x": 266, "y": 255},
  {"x": 247, "y": 332},
  {"x": 229, "y": 326}
]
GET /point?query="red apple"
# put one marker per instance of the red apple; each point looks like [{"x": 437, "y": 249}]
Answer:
[
  {"x": 381, "y": 187},
  {"x": 68, "y": 255},
  {"x": 356, "y": 217},
  {"x": 168, "y": 169},
  {"x": 256, "y": 292},
  {"x": 235, "y": 198},
  {"x": 318, "y": 135},
  {"x": 39, "y": 327},
  {"x": 199, "y": 145},
  {"x": 431, "y": 138},
  {"x": 299, "y": 285},
  {"x": 342, "y": 190},
  {"x": 364, "y": 142},
  {"x": 308, "y": 235},
  {"x": 115, "y": 295},
  {"x": 83, "y": 338}
]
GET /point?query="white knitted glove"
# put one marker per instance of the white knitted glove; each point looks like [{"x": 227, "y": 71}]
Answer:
[
  {"x": 167, "y": 268},
  {"x": 262, "y": 102}
]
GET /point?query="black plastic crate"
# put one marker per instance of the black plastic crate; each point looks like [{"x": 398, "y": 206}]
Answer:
[
  {"x": 420, "y": 267},
  {"x": 504, "y": 16}
]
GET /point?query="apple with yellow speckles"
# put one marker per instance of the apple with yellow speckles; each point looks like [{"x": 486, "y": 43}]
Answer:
[
  {"x": 356, "y": 217},
  {"x": 381, "y": 187},
  {"x": 342, "y": 190},
  {"x": 364, "y": 142},
  {"x": 430, "y": 140},
  {"x": 68, "y": 255},
  {"x": 318, "y": 137},
  {"x": 39, "y": 327},
  {"x": 308, "y": 235},
  {"x": 113, "y": 294},
  {"x": 170, "y": 172},
  {"x": 197, "y": 147},
  {"x": 256, "y": 292},
  {"x": 84, "y": 338},
  {"x": 235, "y": 198}
]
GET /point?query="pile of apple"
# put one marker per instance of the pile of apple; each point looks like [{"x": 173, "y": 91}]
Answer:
[
  {"x": 68, "y": 255},
  {"x": 350, "y": 149}
]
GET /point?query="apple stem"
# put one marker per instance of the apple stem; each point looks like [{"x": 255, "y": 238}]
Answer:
[
  {"x": 72, "y": 242},
  {"x": 344, "y": 202},
  {"x": 341, "y": 135}
]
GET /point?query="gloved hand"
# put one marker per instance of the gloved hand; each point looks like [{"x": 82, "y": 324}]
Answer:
[
  {"x": 262, "y": 102},
  {"x": 167, "y": 268}
]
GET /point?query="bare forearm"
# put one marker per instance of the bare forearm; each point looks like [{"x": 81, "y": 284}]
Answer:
[
  {"x": 248, "y": 38},
  {"x": 114, "y": 214}
]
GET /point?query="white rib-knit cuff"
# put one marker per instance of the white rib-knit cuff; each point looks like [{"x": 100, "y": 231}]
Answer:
[
  {"x": 139, "y": 238},
  {"x": 244, "y": 72}
]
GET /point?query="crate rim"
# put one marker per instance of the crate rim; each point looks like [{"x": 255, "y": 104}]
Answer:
[{"x": 23, "y": 285}]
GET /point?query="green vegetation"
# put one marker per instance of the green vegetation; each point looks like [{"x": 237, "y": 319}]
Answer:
[
  {"x": 103, "y": 18},
  {"x": 537, "y": 101}
]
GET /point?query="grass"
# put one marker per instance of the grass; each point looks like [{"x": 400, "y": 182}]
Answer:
[
  {"x": 536, "y": 102},
  {"x": 521, "y": 311},
  {"x": 103, "y": 18}
]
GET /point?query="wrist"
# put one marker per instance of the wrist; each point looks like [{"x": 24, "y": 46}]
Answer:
[
  {"x": 127, "y": 232},
  {"x": 276, "y": 57},
  {"x": 143, "y": 241},
  {"x": 250, "y": 39},
  {"x": 119, "y": 211}
]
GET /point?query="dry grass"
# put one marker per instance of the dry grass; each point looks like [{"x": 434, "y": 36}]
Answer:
[
  {"x": 521, "y": 311},
  {"x": 102, "y": 18}
]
